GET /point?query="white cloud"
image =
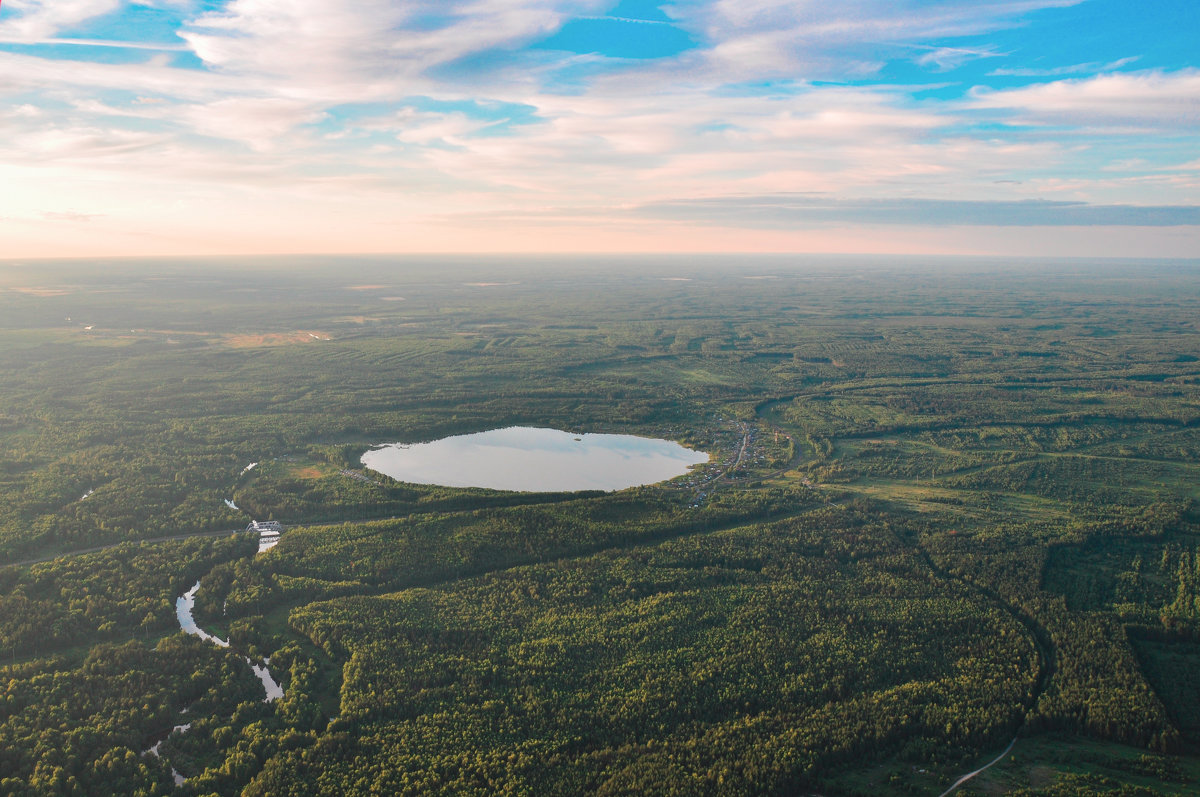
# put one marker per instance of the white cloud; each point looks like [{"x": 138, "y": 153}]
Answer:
[
  {"x": 33, "y": 20},
  {"x": 25, "y": 73},
  {"x": 260, "y": 123},
  {"x": 1152, "y": 99},
  {"x": 374, "y": 49},
  {"x": 93, "y": 145},
  {"x": 416, "y": 127}
]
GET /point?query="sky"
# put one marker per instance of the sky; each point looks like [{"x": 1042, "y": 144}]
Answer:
[{"x": 999, "y": 127}]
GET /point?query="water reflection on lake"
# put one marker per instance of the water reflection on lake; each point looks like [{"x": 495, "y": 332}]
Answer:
[{"x": 535, "y": 460}]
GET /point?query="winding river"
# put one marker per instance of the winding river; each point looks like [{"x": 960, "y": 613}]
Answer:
[
  {"x": 184, "y": 605},
  {"x": 154, "y": 751}
]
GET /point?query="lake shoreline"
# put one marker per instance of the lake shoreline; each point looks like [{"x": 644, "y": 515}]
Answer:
[{"x": 535, "y": 459}]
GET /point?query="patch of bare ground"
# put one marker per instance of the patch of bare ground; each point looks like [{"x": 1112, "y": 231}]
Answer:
[{"x": 248, "y": 341}]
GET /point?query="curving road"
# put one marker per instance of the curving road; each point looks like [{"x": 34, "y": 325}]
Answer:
[{"x": 970, "y": 775}]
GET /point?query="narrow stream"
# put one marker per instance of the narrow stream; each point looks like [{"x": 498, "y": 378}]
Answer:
[{"x": 179, "y": 779}]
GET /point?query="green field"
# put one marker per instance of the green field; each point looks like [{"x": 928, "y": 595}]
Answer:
[{"x": 966, "y": 513}]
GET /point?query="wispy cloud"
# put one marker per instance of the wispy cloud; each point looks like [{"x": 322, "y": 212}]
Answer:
[
  {"x": 790, "y": 211},
  {"x": 117, "y": 45},
  {"x": 71, "y": 216},
  {"x": 1061, "y": 71},
  {"x": 765, "y": 37},
  {"x": 947, "y": 58}
]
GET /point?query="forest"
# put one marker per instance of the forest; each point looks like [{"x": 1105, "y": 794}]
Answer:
[{"x": 950, "y": 518}]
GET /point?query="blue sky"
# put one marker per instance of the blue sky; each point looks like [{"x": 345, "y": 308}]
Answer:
[{"x": 1030, "y": 127}]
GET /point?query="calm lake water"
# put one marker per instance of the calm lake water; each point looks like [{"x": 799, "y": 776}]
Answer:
[{"x": 527, "y": 459}]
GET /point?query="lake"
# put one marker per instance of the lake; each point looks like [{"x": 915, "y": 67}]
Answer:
[{"x": 528, "y": 459}]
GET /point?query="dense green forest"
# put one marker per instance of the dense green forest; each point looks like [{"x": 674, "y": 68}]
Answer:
[{"x": 951, "y": 506}]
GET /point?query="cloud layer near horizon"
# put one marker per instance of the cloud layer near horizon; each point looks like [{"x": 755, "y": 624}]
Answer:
[{"x": 172, "y": 126}]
